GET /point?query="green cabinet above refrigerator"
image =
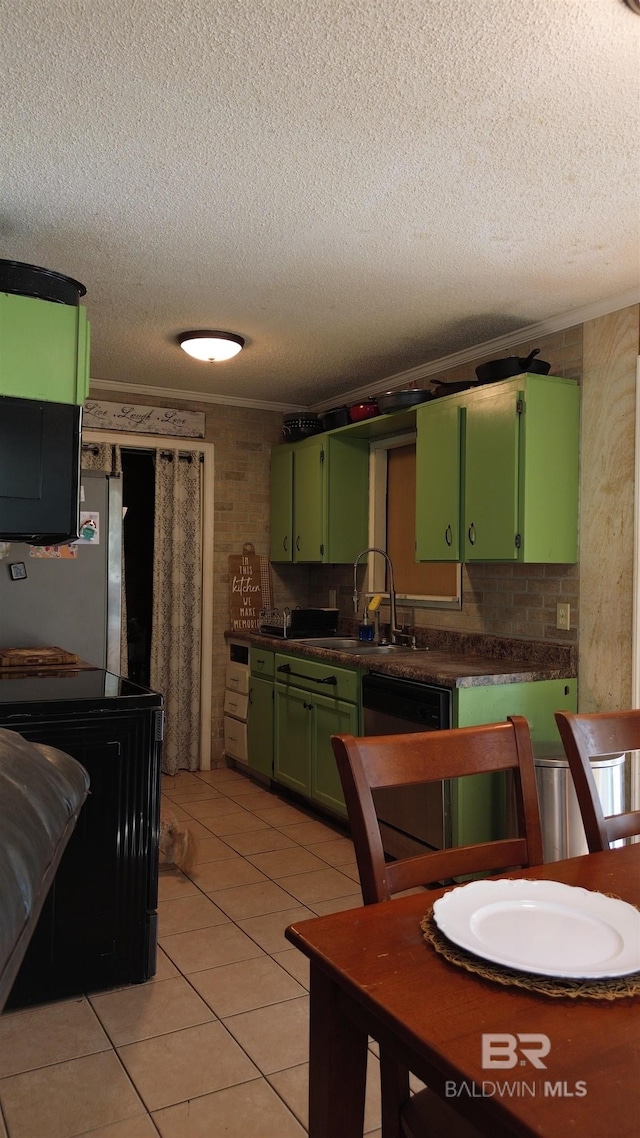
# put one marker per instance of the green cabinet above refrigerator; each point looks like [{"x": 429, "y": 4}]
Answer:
[
  {"x": 44, "y": 335},
  {"x": 44, "y": 350}
]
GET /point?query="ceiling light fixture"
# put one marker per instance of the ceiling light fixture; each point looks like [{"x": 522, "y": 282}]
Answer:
[{"x": 213, "y": 347}]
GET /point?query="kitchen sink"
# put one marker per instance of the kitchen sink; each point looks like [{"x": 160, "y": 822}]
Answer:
[
  {"x": 358, "y": 647},
  {"x": 340, "y": 643},
  {"x": 363, "y": 649}
]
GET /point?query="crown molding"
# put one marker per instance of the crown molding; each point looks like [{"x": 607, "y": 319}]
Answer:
[
  {"x": 498, "y": 345},
  {"x": 124, "y": 390},
  {"x": 400, "y": 378}
]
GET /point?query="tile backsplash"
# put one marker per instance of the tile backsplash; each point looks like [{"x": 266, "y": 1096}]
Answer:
[{"x": 517, "y": 601}]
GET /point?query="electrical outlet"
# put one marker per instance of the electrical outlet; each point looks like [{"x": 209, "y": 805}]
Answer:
[{"x": 563, "y": 617}]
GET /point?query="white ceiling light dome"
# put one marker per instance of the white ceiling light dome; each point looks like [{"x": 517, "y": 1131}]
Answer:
[{"x": 212, "y": 347}]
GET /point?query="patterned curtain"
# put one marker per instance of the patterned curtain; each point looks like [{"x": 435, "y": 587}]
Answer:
[
  {"x": 108, "y": 458},
  {"x": 177, "y": 604},
  {"x": 101, "y": 456}
]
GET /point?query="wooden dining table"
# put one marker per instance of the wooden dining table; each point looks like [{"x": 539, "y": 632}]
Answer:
[{"x": 373, "y": 974}]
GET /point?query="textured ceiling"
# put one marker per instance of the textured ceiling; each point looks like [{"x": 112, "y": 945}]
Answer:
[{"x": 356, "y": 186}]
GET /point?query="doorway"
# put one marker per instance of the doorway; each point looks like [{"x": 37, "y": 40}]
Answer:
[
  {"x": 143, "y": 447},
  {"x": 138, "y": 500}
]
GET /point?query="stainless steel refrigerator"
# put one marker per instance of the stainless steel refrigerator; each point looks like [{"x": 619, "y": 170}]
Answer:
[{"x": 70, "y": 602}]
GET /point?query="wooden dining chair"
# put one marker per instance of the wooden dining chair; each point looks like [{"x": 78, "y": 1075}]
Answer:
[
  {"x": 369, "y": 763},
  {"x": 598, "y": 734}
]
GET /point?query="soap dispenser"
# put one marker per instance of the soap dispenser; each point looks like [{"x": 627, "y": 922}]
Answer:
[{"x": 366, "y": 628}]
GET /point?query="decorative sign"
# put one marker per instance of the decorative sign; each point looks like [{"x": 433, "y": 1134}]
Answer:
[
  {"x": 148, "y": 420},
  {"x": 249, "y": 588}
]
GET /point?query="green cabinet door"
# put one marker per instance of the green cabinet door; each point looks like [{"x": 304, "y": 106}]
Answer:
[
  {"x": 549, "y": 470},
  {"x": 346, "y": 500},
  {"x": 438, "y": 471},
  {"x": 282, "y": 504},
  {"x": 480, "y": 810},
  {"x": 490, "y": 509},
  {"x": 308, "y": 501},
  {"x": 260, "y": 725},
  {"x": 44, "y": 349},
  {"x": 329, "y": 717},
  {"x": 292, "y": 738}
]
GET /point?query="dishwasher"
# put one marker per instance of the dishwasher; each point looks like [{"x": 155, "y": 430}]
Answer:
[{"x": 412, "y": 818}]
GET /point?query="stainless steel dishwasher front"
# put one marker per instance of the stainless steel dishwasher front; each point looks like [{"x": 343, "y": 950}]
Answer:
[{"x": 415, "y": 818}]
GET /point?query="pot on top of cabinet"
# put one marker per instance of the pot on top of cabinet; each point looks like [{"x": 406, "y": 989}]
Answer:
[
  {"x": 336, "y": 417},
  {"x": 365, "y": 410},
  {"x": 400, "y": 400},
  {"x": 300, "y": 425},
  {"x": 512, "y": 365}
]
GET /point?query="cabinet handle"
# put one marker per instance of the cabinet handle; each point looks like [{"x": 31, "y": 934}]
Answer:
[
  {"x": 250, "y": 695},
  {"x": 285, "y": 543},
  {"x": 472, "y": 534},
  {"x": 301, "y": 675},
  {"x": 448, "y": 535},
  {"x": 298, "y": 543}
]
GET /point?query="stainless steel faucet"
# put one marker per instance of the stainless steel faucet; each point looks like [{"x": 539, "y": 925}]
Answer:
[{"x": 396, "y": 635}]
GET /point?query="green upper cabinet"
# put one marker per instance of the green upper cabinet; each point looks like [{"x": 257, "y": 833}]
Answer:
[
  {"x": 308, "y": 499},
  {"x": 499, "y": 466},
  {"x": 282, "y": 503},
  {"x": 319, "y": 500},
  {"x": 438, "y": 464},
  {"x": 44, "y": 349},
  {"x": 491, "y": 427}
]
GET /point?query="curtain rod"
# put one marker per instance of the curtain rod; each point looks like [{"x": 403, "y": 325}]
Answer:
[{"x": 93, "y": 447}]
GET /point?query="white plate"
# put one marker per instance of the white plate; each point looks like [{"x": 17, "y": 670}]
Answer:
[{"x": 544, "y": 927}]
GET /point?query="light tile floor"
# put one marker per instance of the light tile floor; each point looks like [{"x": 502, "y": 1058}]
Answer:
[{"x": 216, "y": 1044}]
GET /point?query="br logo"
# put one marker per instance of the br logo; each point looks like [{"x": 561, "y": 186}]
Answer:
[{"x": 504, "y": 1050}]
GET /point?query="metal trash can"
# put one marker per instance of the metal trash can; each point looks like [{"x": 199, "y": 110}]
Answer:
[{"x": 562, "y": 830}]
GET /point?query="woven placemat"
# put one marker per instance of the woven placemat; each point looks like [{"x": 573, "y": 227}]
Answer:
[{"x": 612, "y": 989}]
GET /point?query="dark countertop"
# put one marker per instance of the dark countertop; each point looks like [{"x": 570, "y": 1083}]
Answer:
[{"x": 441, "y": 666}]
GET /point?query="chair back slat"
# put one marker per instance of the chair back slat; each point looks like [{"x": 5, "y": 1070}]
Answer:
[
  {"x": 484, "y": 857},
  {"x": 596, "y": 735},
  {"x": 375, "y": 762}
]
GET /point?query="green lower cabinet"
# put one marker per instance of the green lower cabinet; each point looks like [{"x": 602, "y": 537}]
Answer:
[
  {"x": 305, "y": 720},
  {"x": 260, "y": 725},
  {"x": 330, "y": 717},
  {"x": 479, "y": 804},
  {"x": 292, "y": 739}
]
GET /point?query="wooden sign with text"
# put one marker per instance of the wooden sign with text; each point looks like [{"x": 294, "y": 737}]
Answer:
[
  {"x": 145, "y": 420},
  {"x": 249, "y": 588}
]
